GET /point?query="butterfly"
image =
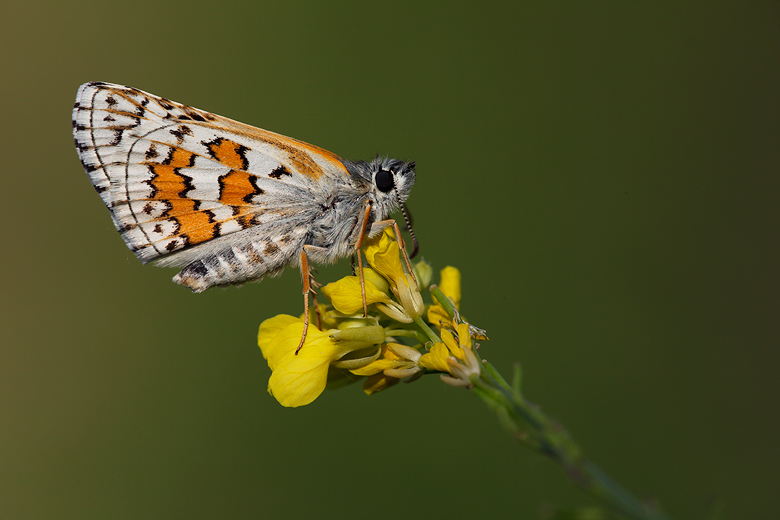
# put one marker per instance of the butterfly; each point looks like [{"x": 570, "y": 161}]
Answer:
[{"x": 228, "y": 202}]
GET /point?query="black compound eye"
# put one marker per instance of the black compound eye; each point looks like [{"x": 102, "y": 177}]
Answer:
[{"x": 384, "y": 180}]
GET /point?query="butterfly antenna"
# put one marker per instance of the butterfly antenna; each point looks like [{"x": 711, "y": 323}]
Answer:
[{"x": 408, "y": 219}]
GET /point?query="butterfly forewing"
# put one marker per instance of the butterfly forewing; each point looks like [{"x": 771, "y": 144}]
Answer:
[{"x": 178, "y": 180}]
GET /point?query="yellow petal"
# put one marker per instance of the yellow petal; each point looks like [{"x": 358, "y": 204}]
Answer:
[
  {"x": 450, "y": 284},
  {"x": 464, "y": 336},
  {"x": 436, "y": 359},
  {"x": 298, "y": 379},
  {"x": 437, "y": 315},
  {"x": 266, "y": 338},
  {"x": 299, "y": 383},
  {"x": 384, "y": 256},
  {"x": 377, "y": 366},
  {"x": 449, "y": 340},
  {"x": 381, "y": 241},
  {"x": 347, "y": 298}
]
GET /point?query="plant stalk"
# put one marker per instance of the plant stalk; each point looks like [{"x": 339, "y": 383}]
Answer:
[{"x": 530, "y": 426}]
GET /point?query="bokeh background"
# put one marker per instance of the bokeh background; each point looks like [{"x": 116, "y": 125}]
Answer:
[{"x": 604, "y": 175}]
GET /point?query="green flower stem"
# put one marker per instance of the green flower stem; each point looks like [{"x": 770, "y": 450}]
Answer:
[
  {"x": 443, "y": 301},
  {"x": 427, "y": 330},
  {"x": 530, "y": 426}
]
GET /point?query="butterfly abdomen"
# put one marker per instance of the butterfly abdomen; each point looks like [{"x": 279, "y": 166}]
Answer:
[{"x": 241, "y": 263}]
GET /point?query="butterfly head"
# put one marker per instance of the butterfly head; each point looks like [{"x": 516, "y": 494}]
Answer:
[{"x": 389, "y": 181}]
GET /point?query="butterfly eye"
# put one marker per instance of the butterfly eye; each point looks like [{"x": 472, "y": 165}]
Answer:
[{"x": 384, "y": 180}]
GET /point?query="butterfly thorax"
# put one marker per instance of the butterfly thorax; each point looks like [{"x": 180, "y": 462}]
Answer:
[{"x": 336, "y": 230}]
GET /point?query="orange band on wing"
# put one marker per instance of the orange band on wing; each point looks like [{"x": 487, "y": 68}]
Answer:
[
  {"x": 229, "y": 153},
  {"x": 237, "y": 188},
  {"x": 170, "y": 186},
  {"x": 196, "y": 225}
]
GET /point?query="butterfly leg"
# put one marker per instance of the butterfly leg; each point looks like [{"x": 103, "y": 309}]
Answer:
[
  {"x": 306, "y": 274},
  {"x": 358, "y": 245},
  {"x": 375, "y": 227},
  {"x": 308, "y": 288}
]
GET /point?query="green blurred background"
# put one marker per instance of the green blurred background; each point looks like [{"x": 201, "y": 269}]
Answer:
[{"x": 605, "y": 176}]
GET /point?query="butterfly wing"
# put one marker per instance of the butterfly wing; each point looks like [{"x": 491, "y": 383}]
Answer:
[{"x": 186, "y": 187}]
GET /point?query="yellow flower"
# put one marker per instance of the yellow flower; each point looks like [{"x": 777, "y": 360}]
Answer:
[
  {"x": 450, "y": 286},
  {"x": 396, "y": 362},
  {"x": 299, "y": 379},
  {"x": 399, "y": 360},
  {"x": 345, "y": 344},
  {"x": 347, "y": 298},
  {"x": 436, "y": 359},
  {"x": 454, "y": 356},
  {"x": 384, "y": 257},
  {"x": 387, "y": 275}
]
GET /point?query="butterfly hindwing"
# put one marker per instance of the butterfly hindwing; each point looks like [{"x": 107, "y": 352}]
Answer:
[{"x": 238, "y": 262}]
